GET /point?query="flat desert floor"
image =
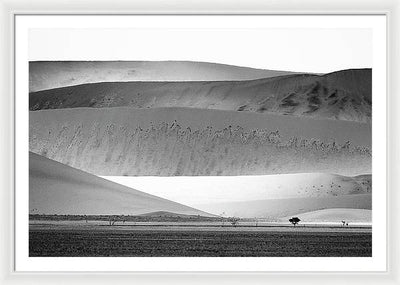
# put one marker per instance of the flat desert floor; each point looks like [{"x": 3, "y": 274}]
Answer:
[{"x": 49, "y": 238}]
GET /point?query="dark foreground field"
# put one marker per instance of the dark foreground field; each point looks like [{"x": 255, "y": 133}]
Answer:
[{"x": 191, "y": 242}]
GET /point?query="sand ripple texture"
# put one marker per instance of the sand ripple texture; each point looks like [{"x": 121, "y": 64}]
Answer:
[{"x": 119, "y": 141}]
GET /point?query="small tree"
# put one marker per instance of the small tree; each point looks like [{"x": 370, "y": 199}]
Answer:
[
  {"x": 113, "y": 219},
  {"x": 294, "y": 221},
  {"x": 234, "y": 221}
]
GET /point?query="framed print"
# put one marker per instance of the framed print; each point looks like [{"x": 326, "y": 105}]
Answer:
[{"x": 202, "y": 143}]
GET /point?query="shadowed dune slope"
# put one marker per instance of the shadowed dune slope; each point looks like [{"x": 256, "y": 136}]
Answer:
[
  {"x": 54, "y": 74},
  {"x": 55, "y": 188},
  {"x": 179, "y": 141},
  {"x": 343, "y": 95}
]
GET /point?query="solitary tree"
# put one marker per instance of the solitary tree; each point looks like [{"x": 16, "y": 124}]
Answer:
[{"x": 294, "y": 221}]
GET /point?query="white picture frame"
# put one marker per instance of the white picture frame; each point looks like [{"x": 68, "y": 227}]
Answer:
[{"x": 10, "y": 9}]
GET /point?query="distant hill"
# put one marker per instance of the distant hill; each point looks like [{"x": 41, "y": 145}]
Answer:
[
  {"x": 55, "y": 188},
  {"x": 342, "y": 95},
  {"x": 54, "y": 74}
]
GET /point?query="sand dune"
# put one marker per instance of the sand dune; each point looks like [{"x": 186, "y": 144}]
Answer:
[
  {"x": 182, "y": 141},
  {"x": 55, "y": 188},
  {"x": 276, "y": 209},
  {"x": 343, "y": 95},
  {"x": 54, "y": 74},
  {"x": 180, "y": 119},
  {"x": 266, "y": 196},
  {"x": 190, "y": 190},
  {"x": 336, "y": 215}
]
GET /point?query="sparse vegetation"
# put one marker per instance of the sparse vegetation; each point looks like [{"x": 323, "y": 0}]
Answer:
[{"x": 115, "y": 219}]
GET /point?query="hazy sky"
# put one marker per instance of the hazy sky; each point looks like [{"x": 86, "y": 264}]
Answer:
[{"x": 309, "y": 50}]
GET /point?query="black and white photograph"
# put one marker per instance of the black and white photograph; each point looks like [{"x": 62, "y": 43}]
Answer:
[{"x": 215, "y": 139}]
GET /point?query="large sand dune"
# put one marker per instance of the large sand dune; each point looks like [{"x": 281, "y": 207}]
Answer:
[
  {"x": 179, "y": 141},
  {"x": 344, "y": 95},
  {"x": 54, "y": 74},
  {"x": 55, "y": 188}
]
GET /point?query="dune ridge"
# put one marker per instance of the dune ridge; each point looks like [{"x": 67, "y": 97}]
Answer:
[{"x": 55, "y": 74}]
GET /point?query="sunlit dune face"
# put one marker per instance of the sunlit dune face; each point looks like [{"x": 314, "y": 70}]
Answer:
[{"x": 214, "y": 189}]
